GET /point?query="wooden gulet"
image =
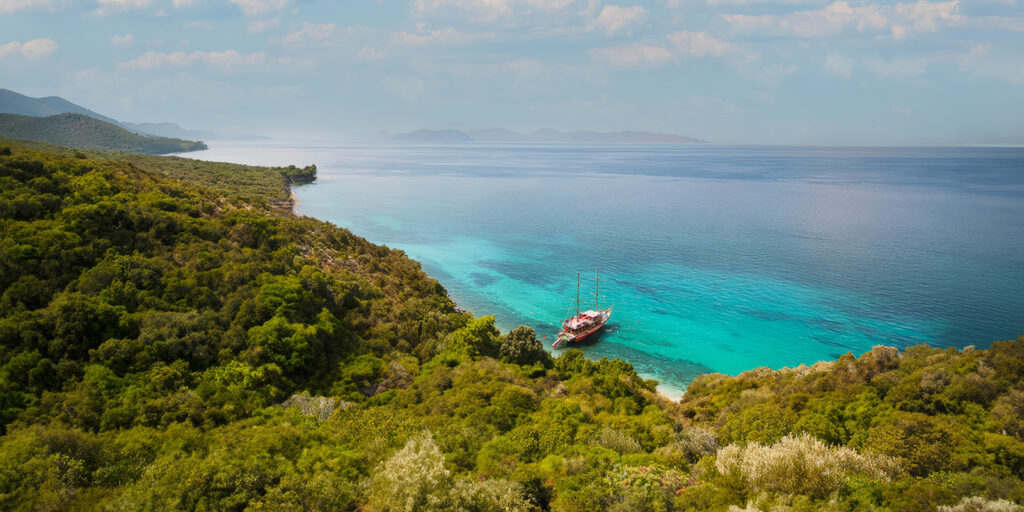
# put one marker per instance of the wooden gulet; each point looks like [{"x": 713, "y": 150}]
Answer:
[{"x": 588, "y": 322}]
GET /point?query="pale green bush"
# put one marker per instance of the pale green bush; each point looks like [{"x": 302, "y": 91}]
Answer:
[
  {"x": 412, "y": 479},
  {"x": 617, "y": 440},
  {"x": 979, "y": 504},
  {"x": 799, "y": 465},
  {"x": 415, "y": 479}
]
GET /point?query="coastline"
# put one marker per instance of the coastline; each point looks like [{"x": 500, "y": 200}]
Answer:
[{"x": 664, "y": 390}]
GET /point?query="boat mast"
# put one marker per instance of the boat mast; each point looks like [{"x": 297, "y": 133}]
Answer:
[
  {"x": 597, "y": 288},
  {"x": 577, "y": 294}
]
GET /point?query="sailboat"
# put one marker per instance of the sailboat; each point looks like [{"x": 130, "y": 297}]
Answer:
[{"x": 584, "y": 324}]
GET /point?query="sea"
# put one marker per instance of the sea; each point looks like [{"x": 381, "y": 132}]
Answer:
[{"x": 716, "y": 258}]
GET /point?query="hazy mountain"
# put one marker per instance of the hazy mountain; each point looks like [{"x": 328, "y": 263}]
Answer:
[
  {"x": 625, "y": 137},
  {"x": 170, "y": 130},
  {"x": 545, "y": 136},
  {"x": 498, "y": 135},
  {"x": 432, "y": 136},
  {"x": 15, "y": 103},
  {"x": 83, "y": 131}
]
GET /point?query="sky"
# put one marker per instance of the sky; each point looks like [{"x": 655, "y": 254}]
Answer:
[{"x": 801, "y": 72}]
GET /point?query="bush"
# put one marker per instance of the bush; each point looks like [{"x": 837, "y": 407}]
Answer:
[
  {"x": 978, "y": 504},
  {"x": 800, "y": 465}
]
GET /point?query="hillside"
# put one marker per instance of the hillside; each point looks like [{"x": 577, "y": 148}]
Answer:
[
  {"x": 15, "y": 103},
  {"x": 82, "y": 131},
  {"x": 169, "y": 346},
  {"x": 12, "y": 102}
]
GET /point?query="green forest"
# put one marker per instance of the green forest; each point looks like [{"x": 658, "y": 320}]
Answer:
[
  {"x": 81, "y": 131},
  {"x": 172, "y": 341}
]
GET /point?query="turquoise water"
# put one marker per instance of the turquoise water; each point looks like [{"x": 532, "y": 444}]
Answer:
[{"x": 716, "y": 258}]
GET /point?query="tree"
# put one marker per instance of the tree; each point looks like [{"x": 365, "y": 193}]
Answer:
[{"x": 522, "y": 347}]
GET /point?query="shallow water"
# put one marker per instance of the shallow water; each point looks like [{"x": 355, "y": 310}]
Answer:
[{"x": 716, "y": 258}]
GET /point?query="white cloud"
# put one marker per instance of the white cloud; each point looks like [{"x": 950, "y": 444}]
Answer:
[
  {"x": 682, "y": 45},
  {"x": 1009, "y": 23},
  {"x": 840, "y": 17},
  {"x": 490, "y": 11},
  {"x": 700, "y": 44},
  {"x": 754, "y": 2},
  {"x": 10, "y": 48},
  {"x": 184, "y": 3},
  {"x": 632, "y": 55},
  {"x": 773, "y": 75},
  {"x": 259, "y": 7},
  {"x": 614, "y": 19},
  {"x": 904, "y": 67},
  {"x": 125, "y": 40},
  {"x": 33, "y": 50},
  {"x": 447, "y": 36},
  {"x": 108, "y": 6},
  {"x": 371, "y": 53},
  {"x": 11, "y": 6},
  {"x": 258, "y": 26},
  {"x": 227, "y": 61},
  {"x": 311, "y": 33},
  {"x": 838, "y": 65}
]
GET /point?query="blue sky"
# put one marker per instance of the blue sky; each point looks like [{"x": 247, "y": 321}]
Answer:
[{"x": 729, "y": 71}]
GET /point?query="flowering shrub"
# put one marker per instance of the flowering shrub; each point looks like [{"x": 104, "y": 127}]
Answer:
[{"x": 650, "y": 477}]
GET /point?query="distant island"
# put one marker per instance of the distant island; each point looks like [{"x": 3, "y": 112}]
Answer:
[
  {"x": 541, "y": 136},
  {"x": 85, "y": 132}
]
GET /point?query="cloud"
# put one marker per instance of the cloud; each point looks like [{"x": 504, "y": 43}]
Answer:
[
  {"x": 258, "y": 26},
  {"x": 699, "y": 44},
  {"x": 904, "y": 67},
  {"x": 633, "y": 55},
  {"x": 259, "y": 7},
  {"x": 614, "y": 19},
  {"x": 228, "y": 61},
  {"x": 683, "y": 44},
  {"x": 489, "y": 11},
  {"x": 773, "y": 75},
  {"x": 840, "y": 17},
  {"x": 371, "y": 53},
  {"x": 12, "y": 6},
  {"x": 35, "y": 49},
  {"x": 125, "y": 40},
  {"x": 109, "y": 6},
  {"x": 184, "y": 3},
  {"x": 311, "y": 33},
  {"x": 838, "y": 65},
  {"x": 755, "y": 2},
  {"x": 447, "y": 36}
]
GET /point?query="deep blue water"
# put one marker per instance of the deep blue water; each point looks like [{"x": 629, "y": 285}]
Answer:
[{"x": 716, "y": 258}]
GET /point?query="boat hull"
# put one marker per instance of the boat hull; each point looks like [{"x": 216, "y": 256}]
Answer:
[{"x": 567, "y": 337}]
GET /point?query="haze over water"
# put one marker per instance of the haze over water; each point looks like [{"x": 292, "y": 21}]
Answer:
[{"x": 716, "y": 258}]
